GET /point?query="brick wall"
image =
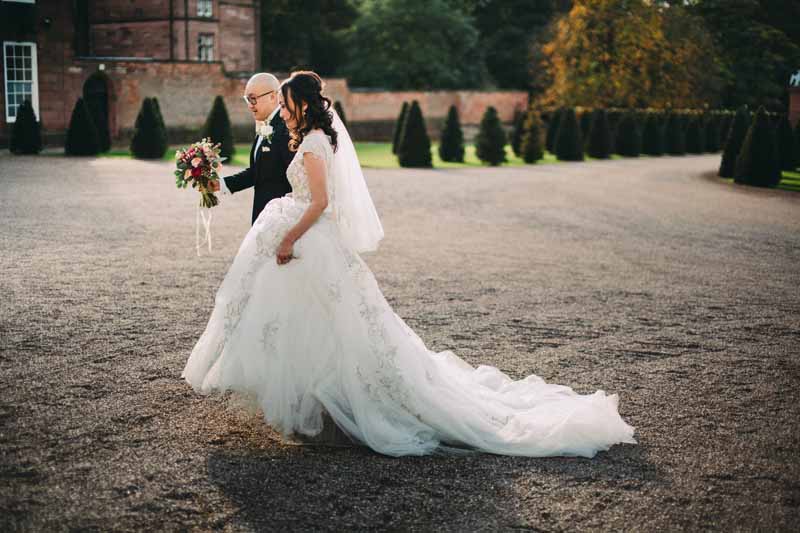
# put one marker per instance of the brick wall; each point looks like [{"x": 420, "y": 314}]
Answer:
[
  {"x": 794, "y": 105},
  {"x": 132, "y": 39},
  {"x": 238, "y": 46}
]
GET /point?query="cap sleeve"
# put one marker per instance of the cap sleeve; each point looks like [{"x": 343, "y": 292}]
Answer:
[{"x": 316, "y": 144}]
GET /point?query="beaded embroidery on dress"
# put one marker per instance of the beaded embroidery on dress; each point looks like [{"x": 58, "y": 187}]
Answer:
[{"x": 317, "y": 334}]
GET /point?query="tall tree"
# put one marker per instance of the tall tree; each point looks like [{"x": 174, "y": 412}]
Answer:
[
  {"x": 414, "y": 44},
  {"x": 631, "y": 53},
  {"x": 759, "y": 41},
  {"x": 307, "y": 34}
]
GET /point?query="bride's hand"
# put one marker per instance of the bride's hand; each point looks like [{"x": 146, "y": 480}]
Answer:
[{"x": 284, "y": 253}]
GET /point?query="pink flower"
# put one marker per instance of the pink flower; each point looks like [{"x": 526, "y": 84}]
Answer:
[
  {"x": 187, "y": 174},
  {"x": 196, "y": 162}
]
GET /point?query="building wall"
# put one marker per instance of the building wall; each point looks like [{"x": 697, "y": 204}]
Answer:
[{"x": 794, "y": 105}]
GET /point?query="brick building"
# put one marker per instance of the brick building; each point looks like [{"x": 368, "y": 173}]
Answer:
[{"x": 116, "y": 52}]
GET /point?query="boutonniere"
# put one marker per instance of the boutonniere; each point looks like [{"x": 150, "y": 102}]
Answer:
[
  {"x": 265, "y": 148},
  {"x": 265, "y": 130}
]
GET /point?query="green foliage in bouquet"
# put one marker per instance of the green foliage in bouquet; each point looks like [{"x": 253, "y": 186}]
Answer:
[
  {"x": 490, "y": 144},
  {"x": 415, "y": 145},
  {"x": 26, "y": 134},
  {"x": 82, "y": 133},
  {"x": 218, "y": 128},
  {"x": 532, "y": 149},
  {"x": 629, "y": 135},
  {"x": 150, "y": 138},
  {"x": 758, "y": 162},
  {"x": 733, "y": 144},
  {"x": 599, "y": 144},
  {"x": 398, "y": 127},
  {"x": 451, "y": 146},
  {"x": 569, "y": 141}
]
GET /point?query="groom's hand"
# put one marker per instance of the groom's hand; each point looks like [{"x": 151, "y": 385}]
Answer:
[{"x": 215, "y": 186}]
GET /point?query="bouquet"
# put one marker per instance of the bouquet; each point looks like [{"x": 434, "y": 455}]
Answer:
[{"x": 199, "y": 164}]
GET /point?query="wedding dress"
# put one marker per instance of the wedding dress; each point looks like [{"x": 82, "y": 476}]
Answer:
[{"x": 317, "y": 334}]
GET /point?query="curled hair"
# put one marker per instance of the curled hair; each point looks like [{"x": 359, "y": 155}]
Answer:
[{"x": 305, "y": 86}]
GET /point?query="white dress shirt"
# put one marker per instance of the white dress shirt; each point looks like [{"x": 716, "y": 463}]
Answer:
[{"x": 224, "y": 188}]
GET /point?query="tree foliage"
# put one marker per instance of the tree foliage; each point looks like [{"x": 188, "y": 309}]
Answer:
[
  {"x": 451, "y": 145},
  {"x": 26, "y": 134},
  {"x": 414, "y": 44},
  {"x": 82, "y": 138},
  {"x": 631, "y": 53},
  {"x": 758, "y": 162},
  {"x": 398, "y": 127},
  {"x": 218, "y": 128},
  {"x": 414, "y": 149},
  {"x": 150, "y": 138},
  {"x": 490, "y": 143},
  {"x": 733, "y": 144},
  {"x": 569, "y": 140},
  {"x": 532, "y": 149}
]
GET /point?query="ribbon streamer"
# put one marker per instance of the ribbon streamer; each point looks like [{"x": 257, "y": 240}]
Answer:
[{"x": 206, "y": 222}]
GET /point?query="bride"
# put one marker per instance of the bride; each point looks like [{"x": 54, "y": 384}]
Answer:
[{"x": 301, "y": 328}]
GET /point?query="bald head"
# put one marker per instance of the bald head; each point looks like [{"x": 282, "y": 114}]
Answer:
[{"x": 264, "y": 87}]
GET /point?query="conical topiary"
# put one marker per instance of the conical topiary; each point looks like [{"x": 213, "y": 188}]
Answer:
[
  {"x": 726, "y": 120},
  {"x": 26, "y": 133},
  {"x": 786, "y": 147},
  {"x": 713, "y": 123},
  {"x": 82, "y": 133},
  {"x": 653, "y": 134},
  {"x": 415, "y": 145},
  {"x": 599, "y": 143},
  {"x": 552, "y": 129},
  {"x": 451, "y": 146},
  {"x": 733, "y": 144},
  {"x": 532, "y": 149},
  {"x": 490, "y": 143},
  {"x": 569, "y": 141},
  {"x": 337, "y": 105},
  {"x": 398, "y": 127},
  {"x": 585, "y": 121},
  {"x": 674, "y": 135},
  {"x": 518, "y": 132},
  {"x": 758, "y": 162},
  {"x": 149, "y": 140},
  {"x": 695, "y": 135},
  {"x": 218, "y": 128},
  {"x": 629, "y": 135}
]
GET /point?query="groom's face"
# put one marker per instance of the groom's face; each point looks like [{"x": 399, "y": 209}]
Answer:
[{"x": 264, "y": 103}]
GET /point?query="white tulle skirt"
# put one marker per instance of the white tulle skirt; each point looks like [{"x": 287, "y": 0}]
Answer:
[{"x": 317, "y": 334}]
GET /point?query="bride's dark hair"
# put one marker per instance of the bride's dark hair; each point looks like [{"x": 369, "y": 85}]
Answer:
[{"x": 305, "y": 86}]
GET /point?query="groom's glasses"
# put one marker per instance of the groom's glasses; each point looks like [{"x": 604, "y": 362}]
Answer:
[{"x": 253, "y": 100}]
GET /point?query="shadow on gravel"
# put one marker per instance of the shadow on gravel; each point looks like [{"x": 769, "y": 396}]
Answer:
[{"x": 334, "y": 489}]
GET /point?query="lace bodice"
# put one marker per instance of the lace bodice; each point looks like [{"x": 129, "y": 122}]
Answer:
[{"x": 317, "y": 143}]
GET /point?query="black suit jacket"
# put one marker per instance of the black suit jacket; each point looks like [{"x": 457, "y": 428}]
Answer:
[{"x": 267, "y": 170}]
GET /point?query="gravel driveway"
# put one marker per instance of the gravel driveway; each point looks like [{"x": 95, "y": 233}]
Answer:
[{"x": 648, "y": 278}]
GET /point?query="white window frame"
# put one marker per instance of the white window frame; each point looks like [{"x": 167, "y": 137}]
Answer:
[
  {"x": 34, "y": 79},
  {"x": 200, "y": 47},
  {"x": 205, "y": 13}
]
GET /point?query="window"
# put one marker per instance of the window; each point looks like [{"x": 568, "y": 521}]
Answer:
[
  {"x": 205, "y": 8},
  {"x": 205, "y": 47},
  {"x": 21, "y": 80}
]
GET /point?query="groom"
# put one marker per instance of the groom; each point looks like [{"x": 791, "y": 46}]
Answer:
[{"x": 269, "y": 155}]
